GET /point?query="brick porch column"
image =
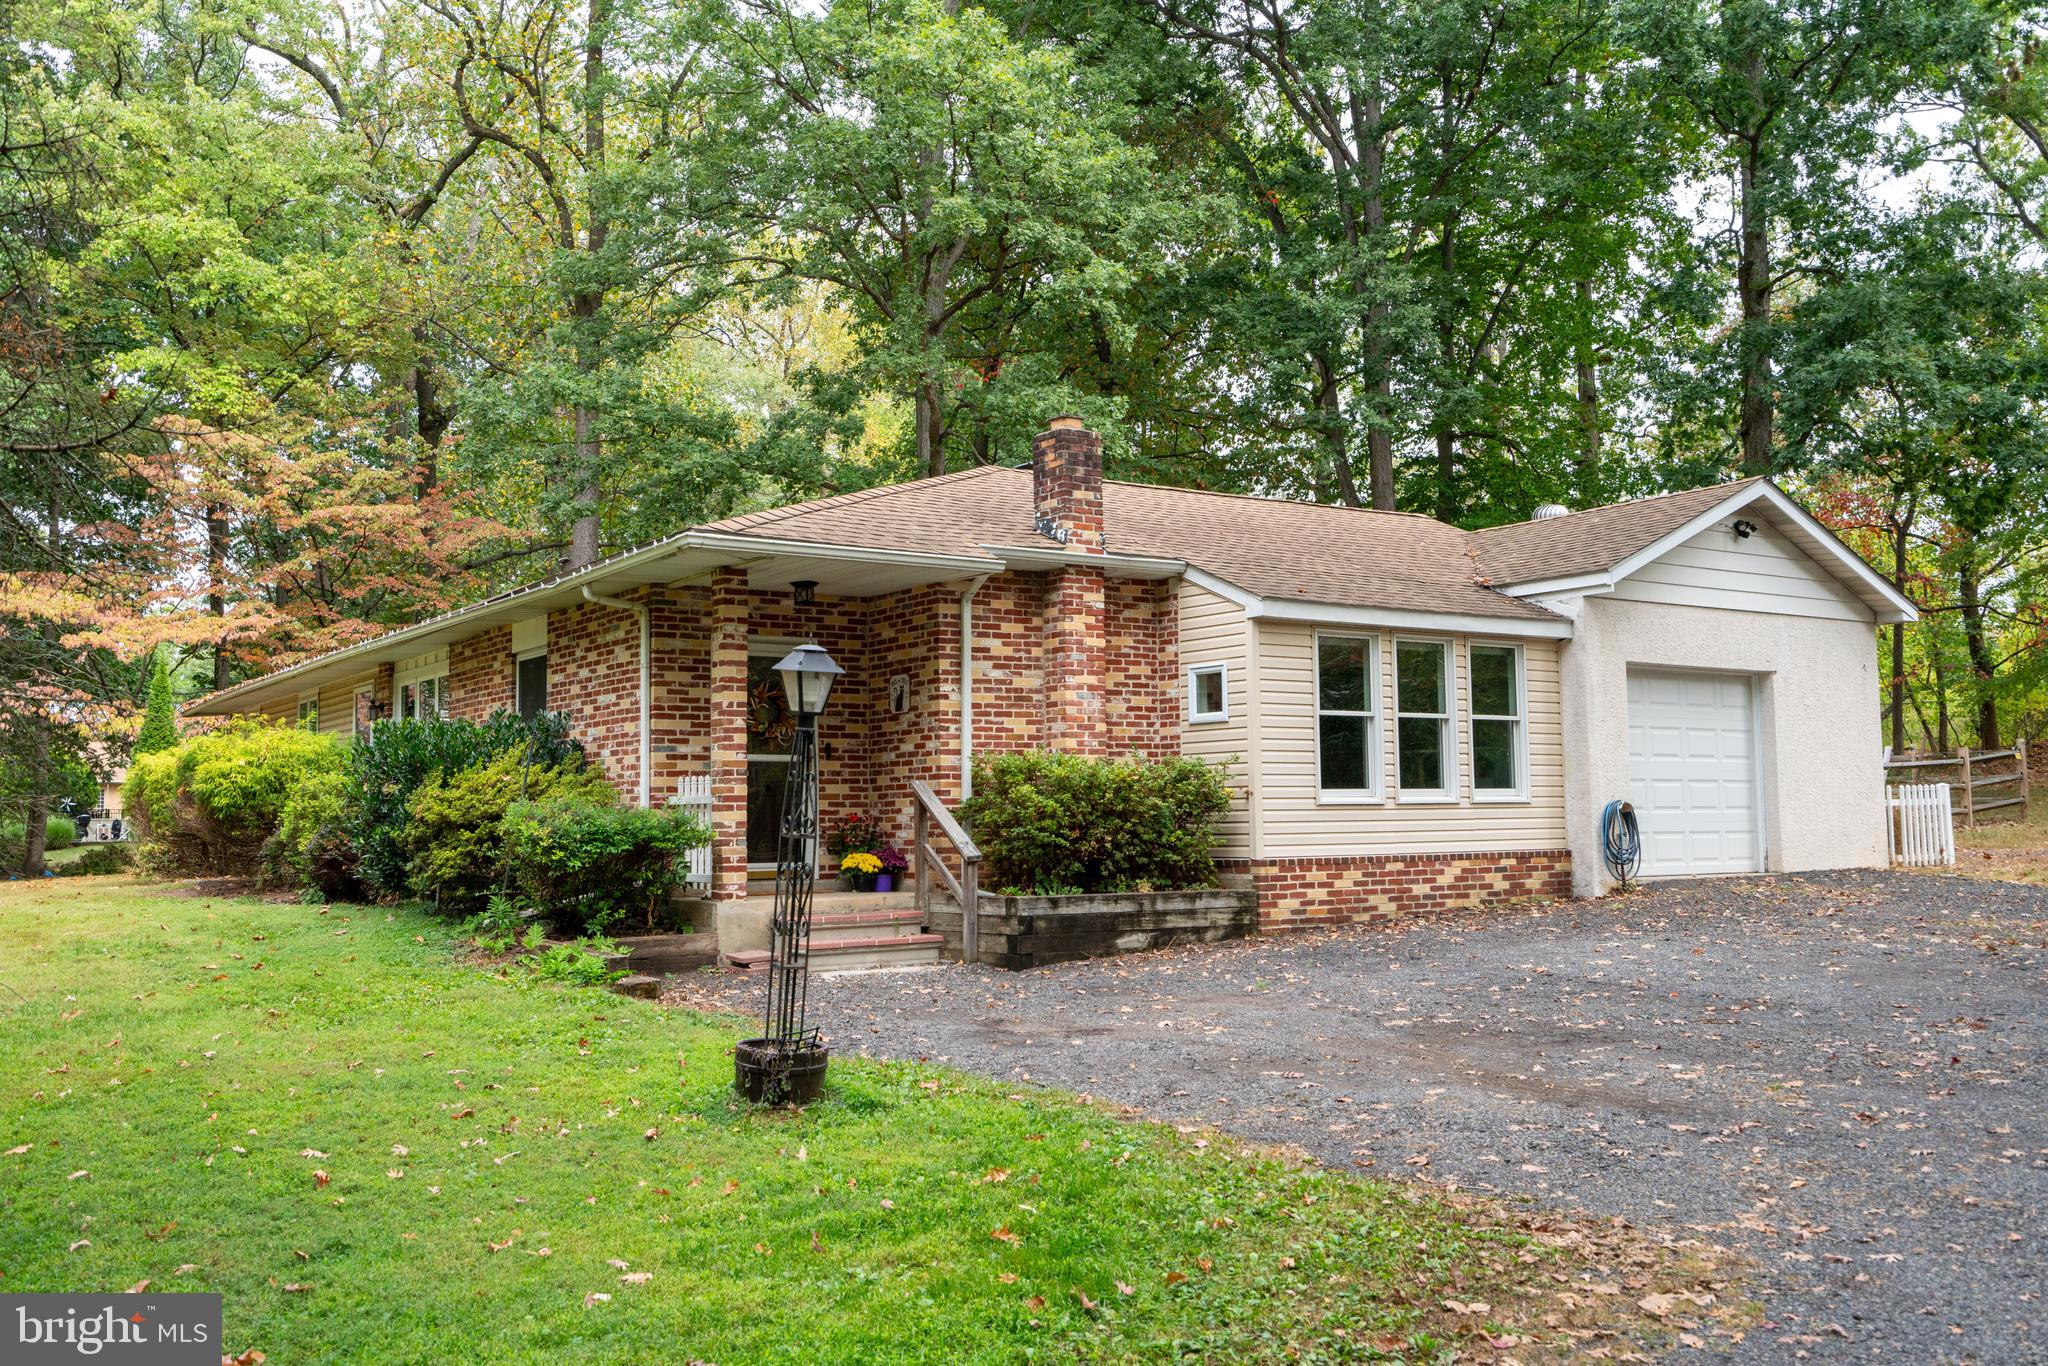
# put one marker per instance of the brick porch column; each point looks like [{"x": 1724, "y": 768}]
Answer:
[
  {"x": 728, "y": 734},
  {"x": 1076, "y": 657}
]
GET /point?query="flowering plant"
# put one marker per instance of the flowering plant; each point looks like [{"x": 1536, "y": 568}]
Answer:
[
  {"x": 893, "y": 860},
  {"x": 860, "y": 861},
  {"x": 854, "y": 835}
]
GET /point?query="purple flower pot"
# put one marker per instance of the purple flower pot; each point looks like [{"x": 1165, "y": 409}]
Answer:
[{"x": 885, "y": 882}]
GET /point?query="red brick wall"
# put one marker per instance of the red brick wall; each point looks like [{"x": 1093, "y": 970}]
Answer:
[
  {"x": 594, "y": 678},
  {"x": 1141, "y": 669},
  {"x": 480, "y": 675},
  {"x": 1310, "y": 893}
]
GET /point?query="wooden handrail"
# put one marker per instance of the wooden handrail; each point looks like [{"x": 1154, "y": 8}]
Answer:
[{"x": 966, "y": 889}]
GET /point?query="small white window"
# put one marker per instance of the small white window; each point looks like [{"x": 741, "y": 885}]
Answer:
[
  {"x": 423, "y": 698},
  {"x": 1424, "y": 761},
  {"x": 309, "y": 711},
  {"x": 1209, "y": 692},
  {"x": 1347, "y": 718},
  {"x": 365, "y": 698},
  {"x": 1499, "y": 765}
]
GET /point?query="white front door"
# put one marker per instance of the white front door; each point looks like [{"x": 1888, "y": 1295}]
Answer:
[{"x": 1693, "y": 772}]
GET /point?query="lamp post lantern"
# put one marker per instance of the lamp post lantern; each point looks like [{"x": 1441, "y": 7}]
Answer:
[{"x": 786, "y": 1065}]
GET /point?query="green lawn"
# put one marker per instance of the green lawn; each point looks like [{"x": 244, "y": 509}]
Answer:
[{"x": 379, "y": 1152}]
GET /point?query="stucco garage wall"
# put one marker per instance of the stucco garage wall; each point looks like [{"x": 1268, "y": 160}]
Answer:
[{"x": 1817, "y": 694}]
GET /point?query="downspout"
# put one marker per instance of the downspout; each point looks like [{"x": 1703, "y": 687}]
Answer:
[
  {"x": 967, "y": 684},
  {"x": 638, "y": 609}
]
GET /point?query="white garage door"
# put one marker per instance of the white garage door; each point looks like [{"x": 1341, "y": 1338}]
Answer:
[{"x": 1692, "y": 772}]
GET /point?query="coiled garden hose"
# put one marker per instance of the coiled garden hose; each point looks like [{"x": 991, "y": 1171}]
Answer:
[{"x": 1621, "y": 840}]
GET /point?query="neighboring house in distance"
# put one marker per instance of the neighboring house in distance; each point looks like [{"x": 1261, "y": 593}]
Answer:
[{"x": 1417, "y": 717}]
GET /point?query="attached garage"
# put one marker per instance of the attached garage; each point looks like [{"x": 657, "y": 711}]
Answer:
[{"x": 1693, "y": 768}]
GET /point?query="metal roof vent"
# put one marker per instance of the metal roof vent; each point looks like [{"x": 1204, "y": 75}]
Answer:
[{"x": 1545, "y": 511}]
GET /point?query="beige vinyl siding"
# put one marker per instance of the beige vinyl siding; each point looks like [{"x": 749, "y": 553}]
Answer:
[
  {"x": 1293, "y": 822},
  {"x": 1213, "y": 630},
  {"x": 338, "y": 705},
  {"x": 1764, "y": 573}
]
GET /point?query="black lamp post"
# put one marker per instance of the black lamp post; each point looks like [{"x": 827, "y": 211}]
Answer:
[{"x": 786, "y": 1065}]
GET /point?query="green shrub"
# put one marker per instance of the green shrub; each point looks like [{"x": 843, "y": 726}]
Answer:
[
  {"x": 453, "y": 840},
  {"x": 313, "y": 809},
  {"x": 586, "y": 865},
  {"x": 59, "y": 832},
  {"x": 569, "y": 965},
  {"x": 98, "y": 861},
  {"x": 211, "y": 803},
  {"x": 393, "y": 758},
  {"x": 1050, "y": 823}
]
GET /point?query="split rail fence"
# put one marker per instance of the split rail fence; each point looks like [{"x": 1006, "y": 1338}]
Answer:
[{"x": 1984, "y": 779}]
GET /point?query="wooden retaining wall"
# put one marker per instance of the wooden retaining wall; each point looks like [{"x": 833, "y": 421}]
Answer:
[{"x": 1033, "y": 931}]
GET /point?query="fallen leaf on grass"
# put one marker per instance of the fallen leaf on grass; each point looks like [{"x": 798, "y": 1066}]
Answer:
[
  {"x": 1003, "y": 1235},
  {"x": 1036, "y": 1302},
  {"x": 618, "y": 1264},
  {"x": 636, "y": 1278},
  {"x": 17, "y": 1152},
  {"x": 1176, "y": 1277},
  {"x": 540, "y": 1252},
  {"x": 996, "y": 1175},
  {"x": 82, "y": 1242},
  {"x": 252, "y": 1357},
  {"x": 138, "y": 1287},
  {"x": 295, "y": 1287},
  {"x": 1090, "y": 1305},
  {"x": 1467, "y": 1306},
  {"x": 1007, "y": 1277},
  {"x": 1123, "y": 1289},
  {"x": 320, "y": 1179},
  {"x": 75, "y": 1175},
  {"x": 596, "y": 1297}
]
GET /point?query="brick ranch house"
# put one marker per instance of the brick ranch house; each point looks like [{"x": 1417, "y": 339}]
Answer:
[{"x": 1416, "y": 717}]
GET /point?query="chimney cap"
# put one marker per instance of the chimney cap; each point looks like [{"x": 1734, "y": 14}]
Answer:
[{"x": 1067, "y": 422}]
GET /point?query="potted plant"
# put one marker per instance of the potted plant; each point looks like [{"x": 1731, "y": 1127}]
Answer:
[
  {"x": 859, "y": 869},
  {"x": 854, "y": 835},
  {"x": 894, "y": 866}
]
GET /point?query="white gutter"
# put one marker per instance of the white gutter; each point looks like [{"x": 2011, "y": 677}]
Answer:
[
  {"x": 639, "y": 609},
  {"x": 967, "y": 685}
]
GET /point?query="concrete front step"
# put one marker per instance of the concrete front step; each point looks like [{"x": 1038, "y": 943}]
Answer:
[
  {"x": 852, "y": 954},
  {"x": 830, "y": 903}
]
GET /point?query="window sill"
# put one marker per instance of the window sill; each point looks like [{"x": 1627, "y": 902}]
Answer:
[
  {"x": 1350, "y": 799},
  {"x": 1208, "y": 720},
  {"x": 1501, "y": 799},
  {"x": 1427, "y": 799}
]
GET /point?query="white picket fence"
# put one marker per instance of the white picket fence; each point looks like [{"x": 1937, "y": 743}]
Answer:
[
  {"x": 693, "y": 794},
  {"x": 1919, "y": 827}
]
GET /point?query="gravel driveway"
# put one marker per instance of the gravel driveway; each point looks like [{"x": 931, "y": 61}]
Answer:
[{"x": 1836, "y": 1073}]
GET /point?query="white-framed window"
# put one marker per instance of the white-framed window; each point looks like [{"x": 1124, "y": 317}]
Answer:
[
  {"x": 423, "y": 698},
  {"x": 1425, "y": 758},
  {"x": 1208, "y": 692},
  {"x": 1499, "y": 739},
  {"x": 365, "y": 694},
  {"x": 309, "y": 710},
  {"x": 530, "y": 682},
  {"x": 1347, "y": 718}
]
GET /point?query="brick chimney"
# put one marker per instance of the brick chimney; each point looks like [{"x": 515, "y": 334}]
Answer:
[{"x": 1066, "y": 484}]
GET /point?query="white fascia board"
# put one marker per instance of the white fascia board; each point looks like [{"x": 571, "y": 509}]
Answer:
[
  {"x": 1544, "y": 588},
  {"x": 1223, "y": 588},
  {"x": 1399, "y": 619}
]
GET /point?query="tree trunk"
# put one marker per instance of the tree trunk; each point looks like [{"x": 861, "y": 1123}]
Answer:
[
  {"x": 1589, "y": 388},
  {"x": 1753, "y": 284},
  {"x": 1379, "y": 441},
  {"x": 583, "y": 538},
  {"x": 931, "y": 439},
  {"x": 1970, "y": 607},
  {"x": 216, "y": 586},
  {"x": 1448, "y": 504},
  {"x": 1329, "y": 416}
]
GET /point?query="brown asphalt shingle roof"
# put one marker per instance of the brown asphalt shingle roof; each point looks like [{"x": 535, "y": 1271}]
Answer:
[
  {"x": 1304, "y": 552},
  {"x": 1590, "y": 541}
]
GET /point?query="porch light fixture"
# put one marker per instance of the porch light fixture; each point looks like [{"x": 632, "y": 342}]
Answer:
[
  {"x": 804, "y": 591},
  {"x": 807, "y": 676},
  {"x": 786, "y": 1065}
]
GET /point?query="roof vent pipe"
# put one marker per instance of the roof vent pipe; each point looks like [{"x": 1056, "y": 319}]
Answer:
[{"x": 1545, "y": 511}]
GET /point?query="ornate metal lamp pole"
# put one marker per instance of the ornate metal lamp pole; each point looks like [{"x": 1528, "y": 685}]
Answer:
[{"x": 787, "y": 1064}]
